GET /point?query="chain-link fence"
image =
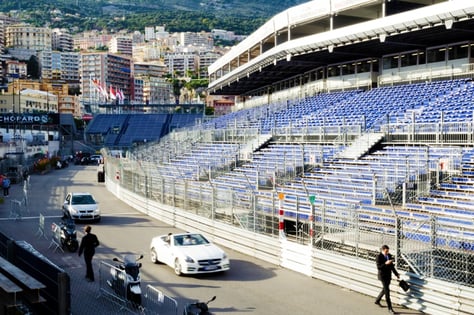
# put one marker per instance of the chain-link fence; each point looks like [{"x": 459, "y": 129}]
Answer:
[{"x": 442, "y": 250}]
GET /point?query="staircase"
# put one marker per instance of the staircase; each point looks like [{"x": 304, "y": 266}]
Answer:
[
  {"x": 253, "y": 145},
  {"x": 361, "y": 146}
]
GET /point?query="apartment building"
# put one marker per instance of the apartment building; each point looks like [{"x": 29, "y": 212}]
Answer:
[
  {"x": 57, "y": 65},
  {"x": 28, "y": 37},
  {"x": 61, "y": 40},
  {"x": 101, "y": 73},
  {"x": 180, "y": 63},
  {"x": 155, "y": 88},
  {"x": 121, "y": 45},
  {"x": 202, "y": 39}
]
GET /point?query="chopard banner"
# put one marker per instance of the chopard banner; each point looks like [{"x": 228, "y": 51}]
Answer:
[{"x": 29, "y": 119}]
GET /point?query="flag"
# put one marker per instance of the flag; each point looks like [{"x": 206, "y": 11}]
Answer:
[
  {"x": 103, "y": 91},
  {"x": 112, "y": 93},
  {"x": 119, "y": 95},
  {"x": 99, "y": 87}
]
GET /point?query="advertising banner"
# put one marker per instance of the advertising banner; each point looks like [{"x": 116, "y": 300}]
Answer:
[{"x": 28, "y": 119}]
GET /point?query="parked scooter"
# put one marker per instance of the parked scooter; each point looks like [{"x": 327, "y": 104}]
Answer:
[
  {"x": 68, "y": 234},
  {"x": 198, "y": 308},
  {"x": 126, "y": 281}
]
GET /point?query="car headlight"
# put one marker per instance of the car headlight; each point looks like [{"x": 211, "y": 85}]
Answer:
[
  {"x": 188, "y": 259},
  {"x": 224, "y": 256},
  {"x": 72, "y": 210}
]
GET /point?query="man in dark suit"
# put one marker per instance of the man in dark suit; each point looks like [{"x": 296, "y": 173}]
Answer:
[
  {"x": 385, "y": 267},
  {"x": 88, "y": 244}
]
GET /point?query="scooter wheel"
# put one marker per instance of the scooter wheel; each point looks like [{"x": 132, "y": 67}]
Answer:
[
  {"x": 72, "y": 246},
  {"x": 136, "y": 300}
]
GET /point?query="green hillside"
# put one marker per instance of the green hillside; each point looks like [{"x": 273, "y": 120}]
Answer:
[{"x": 240, "y": 16}]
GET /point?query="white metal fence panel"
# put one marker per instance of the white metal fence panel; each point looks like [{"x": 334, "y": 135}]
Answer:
[{"x": 157, "y": 303}]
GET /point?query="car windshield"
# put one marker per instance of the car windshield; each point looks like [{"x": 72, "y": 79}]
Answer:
[
  {"x": 82, "y": 200},
  {"x": 189, "y": 240}
]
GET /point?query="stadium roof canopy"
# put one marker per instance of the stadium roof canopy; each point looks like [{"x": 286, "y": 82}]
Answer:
[{"x": 321, "y": 33}]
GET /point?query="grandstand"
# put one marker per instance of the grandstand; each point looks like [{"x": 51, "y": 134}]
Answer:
[
  {"x": 355, "y": 128},
  {"x": 122, "y": 131}
]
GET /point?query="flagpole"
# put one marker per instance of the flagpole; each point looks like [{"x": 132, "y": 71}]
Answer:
[
  {"x": 90, "y": 91},
  {"x": 97, "y": 97}
]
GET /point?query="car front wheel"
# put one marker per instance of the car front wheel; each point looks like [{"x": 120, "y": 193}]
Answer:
[
  {"x": 177, "y": 267},
  {"x": 153, "y": 256},
  {"x": 66, "y": 214}
]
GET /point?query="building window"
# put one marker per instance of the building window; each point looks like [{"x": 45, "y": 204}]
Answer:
[
  {"x": 436, "y": 55},
  {"x": 458, "y": 52},
  {"x": 390, "y": 62}
]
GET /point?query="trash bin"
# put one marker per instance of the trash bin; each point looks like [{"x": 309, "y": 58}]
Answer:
[
  {"x": 101, "y": 173},
  {"x": 100, "y": 177}
]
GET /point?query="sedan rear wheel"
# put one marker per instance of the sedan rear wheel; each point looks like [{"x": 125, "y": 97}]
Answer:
[
  {"x": 177, "y": 267},
  {"x": 153, "y": 256}
]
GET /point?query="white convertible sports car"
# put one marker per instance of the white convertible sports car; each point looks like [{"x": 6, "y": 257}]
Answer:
[{"x": 188, "y": 253}]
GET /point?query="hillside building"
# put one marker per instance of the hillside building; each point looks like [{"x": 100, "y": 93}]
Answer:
[
  {"x": 15, "y": 69},
  {"x": 180, "y": 63},
  {"x": 121, "y": 45},
  {"x": 155, "y": 89},
  {"x": 28, "y": 37},
  {"x": 61, "y": 40},
  {"x": 102, "y": 72},
  {"x": 56, "y": 65},
  {"x": 202, "y": 39}
]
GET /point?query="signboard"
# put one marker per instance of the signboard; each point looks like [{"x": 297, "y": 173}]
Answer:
[
  {"x": 87, "y": 117},
  {"x": 29, "y": 119}
]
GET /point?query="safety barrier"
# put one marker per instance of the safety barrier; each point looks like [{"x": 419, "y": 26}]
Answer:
[
  {"x": 116, "y": 291},
  {"x": 56, "y": 238},
  {"x": 15, "y": 209},
  {"x": 41, "y": 232},
  {"x": 19, "y": 207},
  {"x": 156, "y": 302}
]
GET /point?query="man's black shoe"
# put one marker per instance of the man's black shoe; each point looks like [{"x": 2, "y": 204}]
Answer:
[
  {"x": 378, "y": 303},
  {"x": 390, "y": 311}
]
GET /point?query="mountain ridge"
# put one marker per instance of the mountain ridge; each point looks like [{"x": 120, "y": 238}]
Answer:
[{"x": 240, "y": 16}]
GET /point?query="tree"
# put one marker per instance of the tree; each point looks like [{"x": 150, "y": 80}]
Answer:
[
  {"x": 33, "y": 67},
  {"x": 177, "y": 84}
]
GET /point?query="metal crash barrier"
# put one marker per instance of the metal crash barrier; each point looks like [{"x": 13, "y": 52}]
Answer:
[
  {"x": 155, "y": 302},
  {"x": 41, "y": 232},
  {"x": 112, "y": 288},
  {"x": 116, "y": 293},
  {"x": 56, "y": 238},
  {"x": 15, "y": 209}
]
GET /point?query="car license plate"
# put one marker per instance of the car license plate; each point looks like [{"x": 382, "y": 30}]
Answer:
[{"x": 210, "y": 268}]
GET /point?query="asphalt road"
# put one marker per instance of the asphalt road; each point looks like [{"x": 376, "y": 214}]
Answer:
[{"x": 251, "y": 286}]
